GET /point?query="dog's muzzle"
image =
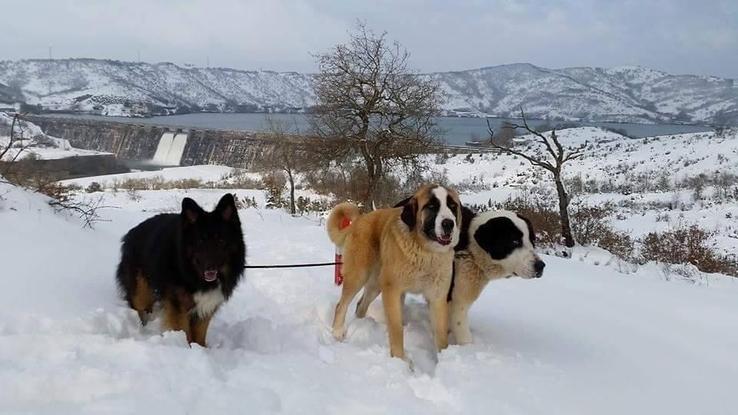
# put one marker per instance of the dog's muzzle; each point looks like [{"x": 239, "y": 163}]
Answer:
[{"x": 447, "y": 225}]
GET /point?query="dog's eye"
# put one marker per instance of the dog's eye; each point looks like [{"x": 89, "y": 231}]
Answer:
[{"x": 517, "y": 243}]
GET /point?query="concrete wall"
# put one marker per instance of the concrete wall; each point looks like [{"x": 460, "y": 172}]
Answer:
[
  {"x": 126, "y": 141},
  {"x": 139, "y": 142}
]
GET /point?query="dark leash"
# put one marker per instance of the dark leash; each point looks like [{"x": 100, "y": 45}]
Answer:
[{"x": 310, "y": 265}]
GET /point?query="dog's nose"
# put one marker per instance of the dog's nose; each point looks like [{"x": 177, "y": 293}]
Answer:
[
  {"x": 538, "y": 267},
  {"x": 447, "y": 225}
]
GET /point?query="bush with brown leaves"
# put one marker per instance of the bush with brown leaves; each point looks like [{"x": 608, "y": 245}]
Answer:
[{"x": 686, "y": 245}]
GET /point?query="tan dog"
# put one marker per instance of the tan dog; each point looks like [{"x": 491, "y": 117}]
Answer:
[
  {"x": 497, "y": 244},
  {"x": 399, "y": 250}
]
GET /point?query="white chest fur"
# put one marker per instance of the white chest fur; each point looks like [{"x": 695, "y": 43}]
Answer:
[{"x": 207, "y": 302}]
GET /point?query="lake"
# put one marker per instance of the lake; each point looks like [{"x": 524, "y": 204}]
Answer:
[{"x": 454, "y": 130}]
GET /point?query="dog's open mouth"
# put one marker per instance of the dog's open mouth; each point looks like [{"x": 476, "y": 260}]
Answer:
[
  {"x": 210, "y": 275},
  {"x": 444, "y": 240}
]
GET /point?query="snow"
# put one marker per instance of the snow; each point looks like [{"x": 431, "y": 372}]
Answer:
[
  {"x": 618, "y": 160},
  {"x": 583, "y": 339}
]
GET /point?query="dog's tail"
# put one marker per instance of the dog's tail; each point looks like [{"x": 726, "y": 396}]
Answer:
[{"x": 339, "y": 215}]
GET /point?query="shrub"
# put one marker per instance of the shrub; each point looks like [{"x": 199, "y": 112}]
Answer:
[
  {"x": 274, "y": 184},
  {"x": 56, "y": 191},
  {"x": 246, "y": 202},
  {"x": 349, "y": 183},
  {"x": 306, "y": 205},
  {"x": 544, "y": 219},
  {"x": 94, "y": 187},
  {"x": 591, "y": 227},
  {"x": 157, "y": 183},
  {"x": 475, "y": 184},
  {"x": 238, "y": 179},
  {"x": 133, "y": 195},
  {"x": 590, "y": 222},
  {"x": 686, "y": 245}
]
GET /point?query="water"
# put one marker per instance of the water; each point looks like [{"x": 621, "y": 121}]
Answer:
[
  {"x": 170, "y": 149},
  {"x": 453, "y": 130}
]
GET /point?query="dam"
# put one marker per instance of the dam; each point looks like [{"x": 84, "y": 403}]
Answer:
[{"x": 160, "y": 145}]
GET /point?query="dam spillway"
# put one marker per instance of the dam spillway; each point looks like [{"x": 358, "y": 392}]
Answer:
[{"x": 170, "y": 149}]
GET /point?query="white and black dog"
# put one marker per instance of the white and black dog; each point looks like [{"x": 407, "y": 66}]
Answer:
[{"x": 493, "y": 245}]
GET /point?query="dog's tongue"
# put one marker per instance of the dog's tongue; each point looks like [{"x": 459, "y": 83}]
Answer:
[{"x": 210, "y": 275}]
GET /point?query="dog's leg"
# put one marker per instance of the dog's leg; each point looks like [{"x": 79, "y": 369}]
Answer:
[
  {"x": 177, "y": 306},
  {"x": 351, "y": 286},
  {"x": 199, "y": 328},
  {"x": 371, "y": 291},
  {"x": 176, "y": 319},
  {"x": 439, "y": 320},
  {"x": 142, "y": 299},
  {"x": 392, "y": 299},
  {"x": 459, "y": 313}
]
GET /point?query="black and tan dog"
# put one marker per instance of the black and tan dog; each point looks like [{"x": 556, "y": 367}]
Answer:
[
  {"x": 399, "y": 250},
  {"x": 493, "y": 245},
  {"x": 189, "y": 261}
]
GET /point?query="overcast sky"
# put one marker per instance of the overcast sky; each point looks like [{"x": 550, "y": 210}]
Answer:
[{"x": 678, "y": 36}]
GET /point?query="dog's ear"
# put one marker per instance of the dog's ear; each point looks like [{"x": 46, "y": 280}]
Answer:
[
  {"x": 531, "y": 232},
  {"x": 191, "y": 211},
  {"x": 410, "y": 212},
  {"x": 402, "y": 202},
  {"x": 227, "y": 207}
]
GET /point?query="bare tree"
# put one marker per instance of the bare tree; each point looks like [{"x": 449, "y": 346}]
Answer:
[
  {"x": 60, "y": 197},
  {"x": 505, "y": 136},
  {"x": 15, "y": 144},
  {"x": 287, "y": 155},
  {"x": 371, "y": 106},
  {"x": 554, "y": 157},
  {"x": 15, "y": 141}
]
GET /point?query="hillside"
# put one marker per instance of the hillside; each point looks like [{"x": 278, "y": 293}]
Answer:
[
  {"x": 654, "y": 183},
  {"x": 628, "y": 94}
]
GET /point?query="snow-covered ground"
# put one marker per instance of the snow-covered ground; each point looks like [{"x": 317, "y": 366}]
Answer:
[
  {"x": 202, "y": 173},
  {"x": 622, "y": 164},
  {"x": 582, "y": 340}
]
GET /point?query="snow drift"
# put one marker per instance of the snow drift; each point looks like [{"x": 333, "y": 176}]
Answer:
[{"x": 582, "y": 339}]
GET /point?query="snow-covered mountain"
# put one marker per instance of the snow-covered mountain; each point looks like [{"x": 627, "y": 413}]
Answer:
[{"x": 631, "y": 94}]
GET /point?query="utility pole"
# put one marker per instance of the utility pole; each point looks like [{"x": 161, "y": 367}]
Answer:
[{"x": 50, "y": 55}]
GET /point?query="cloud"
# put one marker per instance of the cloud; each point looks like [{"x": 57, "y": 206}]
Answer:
[{"x": 676, "y": 35}]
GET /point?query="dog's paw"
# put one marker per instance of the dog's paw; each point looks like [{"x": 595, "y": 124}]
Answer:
[
  {"x": 339, "y": 333},
  {"x": 462, "y": 340},
  {"x": 410, "y": 363},
  {"x": 461, "y": 334}
]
